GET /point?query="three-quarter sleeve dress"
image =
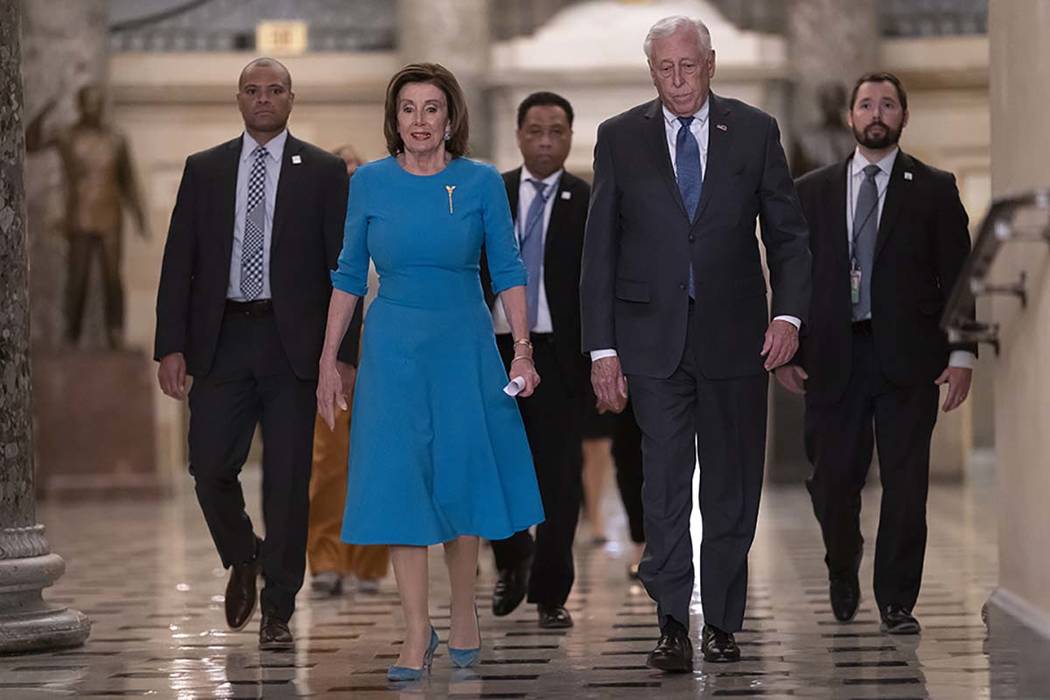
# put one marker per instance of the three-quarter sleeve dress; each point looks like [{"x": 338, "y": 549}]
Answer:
[{"x": 437, "y": 449}]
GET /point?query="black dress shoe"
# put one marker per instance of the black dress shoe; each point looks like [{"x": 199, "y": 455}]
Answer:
[
  {"x": 241, "y": 594},
  {"x": 274, "y": 634},
  {"x": 844, "y": 592},
  {"x": 674, "y": 651},
  {"x": 718, "y": 646},
  {"x": 897, "y": 620},
  {"x": 510, "y": 589},
  {"x": 554, "y": 617}
]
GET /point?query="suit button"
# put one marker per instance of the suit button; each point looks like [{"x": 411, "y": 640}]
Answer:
[{"x": 691, "y": 238}]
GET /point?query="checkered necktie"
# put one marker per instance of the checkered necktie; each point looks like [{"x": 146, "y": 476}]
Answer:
[{"x": 254, "y": 227}]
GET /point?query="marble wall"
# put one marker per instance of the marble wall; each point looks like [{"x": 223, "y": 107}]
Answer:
[{"x": 1020, "y": 90}]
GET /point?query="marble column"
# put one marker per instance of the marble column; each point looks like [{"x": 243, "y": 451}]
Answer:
[
  {"x": 1019, "y": 78},
  {"x": 64, "y": 47},
  {"x": 456, "y": 34},
  {"x": 27, "y": 565}
]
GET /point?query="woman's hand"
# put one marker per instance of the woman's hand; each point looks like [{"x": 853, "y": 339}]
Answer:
[
  {"x": 330, "y": 392},
  {"x": 522, "y": 366}
]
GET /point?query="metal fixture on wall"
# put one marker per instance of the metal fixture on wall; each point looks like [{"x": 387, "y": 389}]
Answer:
[{"x": 1021, "y": 219}]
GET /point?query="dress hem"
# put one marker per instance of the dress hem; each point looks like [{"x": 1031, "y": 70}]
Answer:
[{"x": 490, "y": 535}]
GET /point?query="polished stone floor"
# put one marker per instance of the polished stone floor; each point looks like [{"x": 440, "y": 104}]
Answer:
[{"x": 146, "y": 574}]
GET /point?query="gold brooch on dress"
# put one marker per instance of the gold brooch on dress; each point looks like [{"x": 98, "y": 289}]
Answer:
[{"x": 450, "y": 189}]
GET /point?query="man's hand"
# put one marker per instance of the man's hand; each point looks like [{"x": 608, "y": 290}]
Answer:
[
  {"x": 792, "y": 378},
  {"x": 781, "y": 344},
  {"x": 610, "y": 386},
  {"x": 958, "y": 380},
  {"x": 172, "y": 375},
  {"x": 348, "y": 375}
]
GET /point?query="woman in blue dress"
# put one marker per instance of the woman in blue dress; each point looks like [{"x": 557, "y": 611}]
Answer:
[{"x": 438, "y": 452}]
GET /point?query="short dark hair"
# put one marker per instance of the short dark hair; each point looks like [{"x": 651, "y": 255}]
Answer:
[
  {"x": 880, "y": 77},
  {"x": 442, "y": 78},
  {"x": 265, "y": 62},
  {"x": 543, "y": 99}
]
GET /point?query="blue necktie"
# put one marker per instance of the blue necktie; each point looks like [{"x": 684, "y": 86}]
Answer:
[
  {"x": 865, "y": 231},
  {"x": 690, "y": 174},
  {"x": 254, "y": 228},
  {"x": 532, "y": 248}
]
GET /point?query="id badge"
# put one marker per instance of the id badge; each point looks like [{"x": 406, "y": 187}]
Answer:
[{"x": 854, "y": 285}]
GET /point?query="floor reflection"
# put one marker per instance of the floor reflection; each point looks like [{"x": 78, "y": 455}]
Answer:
[{"x": 147, "y": 576}]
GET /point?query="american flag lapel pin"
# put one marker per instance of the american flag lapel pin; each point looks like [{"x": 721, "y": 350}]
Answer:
[
  {"x": 297, "y": 159},
  {"x": 721, "y": 127},
  {"x": 908, "y": 175},
  {"x": 566, "y": 194}
]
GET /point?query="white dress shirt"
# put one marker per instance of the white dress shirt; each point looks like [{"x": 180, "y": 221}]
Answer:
[
  {"x": 854, "y": 180},
  {"x": 700, "y": 128},
  {"x": 526, "y": 194},
  {"x": 275, "y": 150}
]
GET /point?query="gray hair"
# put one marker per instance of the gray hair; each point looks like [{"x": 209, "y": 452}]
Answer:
[{"x": 669, "y": 25}]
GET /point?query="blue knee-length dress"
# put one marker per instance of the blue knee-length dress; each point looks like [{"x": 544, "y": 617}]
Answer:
[{"x": 437, "y": 450}]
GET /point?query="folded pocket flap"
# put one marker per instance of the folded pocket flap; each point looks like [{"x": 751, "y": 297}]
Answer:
[{"x": 630, "y": 290}]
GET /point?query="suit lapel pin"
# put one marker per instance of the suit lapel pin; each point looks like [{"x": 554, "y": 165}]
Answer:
[
  {"x": 907, "y": 175},
  {"x": 721, "y": 127},
  {"x": 297, "y": 159},
  {"x": 566, "y": 195}
]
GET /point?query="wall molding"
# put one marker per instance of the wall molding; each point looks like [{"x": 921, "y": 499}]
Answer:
[{"x": 1020, "y": 609}]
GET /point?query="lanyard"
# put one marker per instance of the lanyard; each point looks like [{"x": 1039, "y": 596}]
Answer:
[{"x": 853, "y": 213}]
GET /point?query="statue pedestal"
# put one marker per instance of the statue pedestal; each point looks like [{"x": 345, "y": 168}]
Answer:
[{"x": 94, "y": 424}]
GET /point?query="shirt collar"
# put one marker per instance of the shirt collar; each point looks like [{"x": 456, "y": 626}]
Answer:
[
  {"x": 275, "y": 146},
  {"x": 700, "y": 115},
  {"x": 885, "y": 165},
  {"x": 551, "y": 179}
]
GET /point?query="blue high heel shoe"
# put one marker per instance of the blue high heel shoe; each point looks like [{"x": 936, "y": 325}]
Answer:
[
  {"x": 404, "y": 673},
  {"x": 465, "y": 658}
]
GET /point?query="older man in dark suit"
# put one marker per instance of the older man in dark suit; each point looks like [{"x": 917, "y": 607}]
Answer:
[
  {"x": 674, "y": 306},
  {"x": 242, "y": 307}
]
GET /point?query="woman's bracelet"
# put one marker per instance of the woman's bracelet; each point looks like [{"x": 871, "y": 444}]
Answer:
[
  {"x": 524, "y": 341},
  {"x": 522, "y": 357}
]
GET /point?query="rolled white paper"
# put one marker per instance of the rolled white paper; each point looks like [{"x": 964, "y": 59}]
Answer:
[{"x": 515, "y": 387}]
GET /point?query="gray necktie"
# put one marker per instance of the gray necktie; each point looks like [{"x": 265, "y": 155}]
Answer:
[{"x": 865, "y": 231}]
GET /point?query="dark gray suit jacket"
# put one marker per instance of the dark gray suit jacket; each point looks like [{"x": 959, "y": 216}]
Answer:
[
  {"x": 920, "y": 248},
  {"x": 561, "y": 271},
  {"x": 307, "y": 237},
  {"x": 639, "y": 243}
]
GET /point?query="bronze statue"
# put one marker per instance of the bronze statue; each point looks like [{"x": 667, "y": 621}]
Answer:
[
  {"x": 831, "y": 140},
  {"x": 99, "y": 180}
]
